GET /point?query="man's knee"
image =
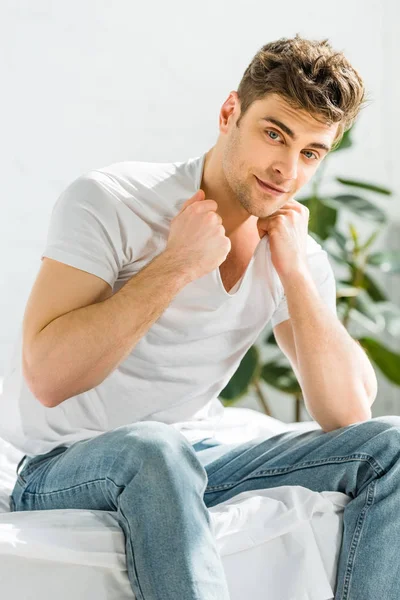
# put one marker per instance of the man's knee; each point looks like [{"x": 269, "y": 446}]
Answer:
[
  {"x": 152, "y": 436},
  {"x": 157, "y": 449},
  {"x": 379, "y": 437},
  {"x": 157, "y": 440}
]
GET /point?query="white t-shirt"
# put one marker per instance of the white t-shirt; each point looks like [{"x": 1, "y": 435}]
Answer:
[{"x": 111, "y": 222}]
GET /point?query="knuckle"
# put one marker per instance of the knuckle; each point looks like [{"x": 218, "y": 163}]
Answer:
[{"x": 212, "y": 216}]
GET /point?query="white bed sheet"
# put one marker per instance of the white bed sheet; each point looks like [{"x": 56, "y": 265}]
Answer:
[{"x": 282, "y": 543}]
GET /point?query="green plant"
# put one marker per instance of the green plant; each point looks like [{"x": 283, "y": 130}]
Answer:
[{"x": 359, "y": 298}]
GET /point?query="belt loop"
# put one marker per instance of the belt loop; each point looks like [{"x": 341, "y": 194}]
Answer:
[{"x": 20, "y": 462}]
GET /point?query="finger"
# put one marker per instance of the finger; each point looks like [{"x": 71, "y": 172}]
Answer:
[
  {"x": 289, "y": 210},
  {"x": 292, "y": 206},
  {"x": 281, "y": 211},
  {"x": 199, "y": 195}
]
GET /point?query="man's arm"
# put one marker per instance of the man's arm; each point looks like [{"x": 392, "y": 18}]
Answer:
[
  {"x": 337, "y": 379},
  {"x": 78, "y": 350}
]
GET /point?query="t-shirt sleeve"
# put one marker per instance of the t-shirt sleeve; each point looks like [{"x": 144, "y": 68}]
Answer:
[
  {"x": 85, "y": 230},
  {"x": 323, "y": 277}
]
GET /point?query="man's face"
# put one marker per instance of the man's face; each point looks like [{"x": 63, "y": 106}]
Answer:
[{"x": 274, "y": 143}]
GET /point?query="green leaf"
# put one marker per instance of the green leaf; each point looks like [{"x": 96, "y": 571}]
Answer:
[
  {"x": 371, "y": 239},
  {"x": 365, "y": 314},
  {"x": 271, "y": 339},
  {"x": 390, "y": 313},
  {"x": 354, "y": 235},
  {"x": 345, "y": 142},
  {"x": 340, "y": 259},
  {"x": 364, "y": 304},
  {"x": 363, "y": 320},
  {"x": 387, "y": 361},
  {"x": 243, "y": 376},
  {"x": 280, "y": 377},
  {"x": 358, "y": 205},
  {"x": 385, "y": 315},
  {"x": 370, "y": 286},
  {"x": 388, "y": 262},
  {"x": 322, "y": 217},
  {"x": 366, "y": 186},
  {"x": 342, "y": 242}
]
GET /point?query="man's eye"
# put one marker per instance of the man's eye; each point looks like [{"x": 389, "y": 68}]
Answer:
[
  {"x": 312, "y": 154},
  {"x": 268, "y": 131}
]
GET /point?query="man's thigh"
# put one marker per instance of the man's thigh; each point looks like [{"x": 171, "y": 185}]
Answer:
[
  {"x": 342, "y": 460},
  {"x": 89, "y": 474}
]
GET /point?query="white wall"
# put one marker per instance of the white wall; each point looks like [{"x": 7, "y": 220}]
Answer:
[{"x": 88, "y": 83}]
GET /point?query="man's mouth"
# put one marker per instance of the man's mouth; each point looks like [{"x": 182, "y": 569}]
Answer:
[{"x": 270, "y": 188}]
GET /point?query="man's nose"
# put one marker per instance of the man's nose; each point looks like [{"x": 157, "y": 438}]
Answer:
[{"x": 287, "y": 166}]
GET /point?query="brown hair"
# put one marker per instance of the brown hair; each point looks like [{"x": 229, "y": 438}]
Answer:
[{"x": 309, "y": 75}]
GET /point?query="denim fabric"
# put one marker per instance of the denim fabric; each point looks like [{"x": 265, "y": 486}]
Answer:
[{"x": 161, "y": 487}]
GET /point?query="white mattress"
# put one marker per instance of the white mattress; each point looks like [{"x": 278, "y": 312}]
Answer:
[{"x": 281, "y": 543}]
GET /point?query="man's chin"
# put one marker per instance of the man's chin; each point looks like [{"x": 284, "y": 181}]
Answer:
[{"x": 267, "y": 211}]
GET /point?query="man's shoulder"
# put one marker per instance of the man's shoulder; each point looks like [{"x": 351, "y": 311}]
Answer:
[
  {"x": 147, "y": 173},
  {"x": 154, "y": 190}
]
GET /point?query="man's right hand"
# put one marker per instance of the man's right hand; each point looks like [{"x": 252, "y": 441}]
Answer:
[{"x": 197, "y": 237}]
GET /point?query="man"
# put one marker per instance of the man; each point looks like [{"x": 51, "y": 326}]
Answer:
[{"x": 155, "y": 281}]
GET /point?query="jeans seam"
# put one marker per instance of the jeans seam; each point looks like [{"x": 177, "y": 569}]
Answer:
[
  {"x": 119, "y": 507},
  {"x": 31, "y": 465},
  {"x": 356, "y": 536},
  {"x": 133, "y": 555},
  {"x": 312, "y": 463},
  {"x": 72, "y": 487}
]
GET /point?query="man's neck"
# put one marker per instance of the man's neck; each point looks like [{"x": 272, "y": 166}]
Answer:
[{"x": 235, "y": 219}]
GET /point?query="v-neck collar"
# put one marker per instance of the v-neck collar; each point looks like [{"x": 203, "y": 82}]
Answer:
[{"x": 241, "y": 283}]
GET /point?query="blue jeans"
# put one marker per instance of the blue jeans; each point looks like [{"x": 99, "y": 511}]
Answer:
[{"x": 161, "y": 487}]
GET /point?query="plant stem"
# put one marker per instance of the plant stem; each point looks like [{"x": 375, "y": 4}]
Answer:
[
  {"x": 298, "y": 399},
  {"x": 262, "y": 398}
]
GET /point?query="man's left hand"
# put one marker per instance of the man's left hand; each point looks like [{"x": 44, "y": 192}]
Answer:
[{"x": 287, "y": 229}]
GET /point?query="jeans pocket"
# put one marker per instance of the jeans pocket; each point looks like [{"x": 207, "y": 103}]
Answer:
[
  {"x": 32, "y": 463},
  {"x": 20, "y": 479}
]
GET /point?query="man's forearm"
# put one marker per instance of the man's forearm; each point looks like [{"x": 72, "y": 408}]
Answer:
[
  {"x": 78, "y": 350},
  {"x": 336, "y": 375}
]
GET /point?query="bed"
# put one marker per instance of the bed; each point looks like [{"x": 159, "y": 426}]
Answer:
[{"x": 281, "y": 544}]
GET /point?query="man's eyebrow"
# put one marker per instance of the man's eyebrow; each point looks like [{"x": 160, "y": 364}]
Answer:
[{"x": 291, "y": 133}]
